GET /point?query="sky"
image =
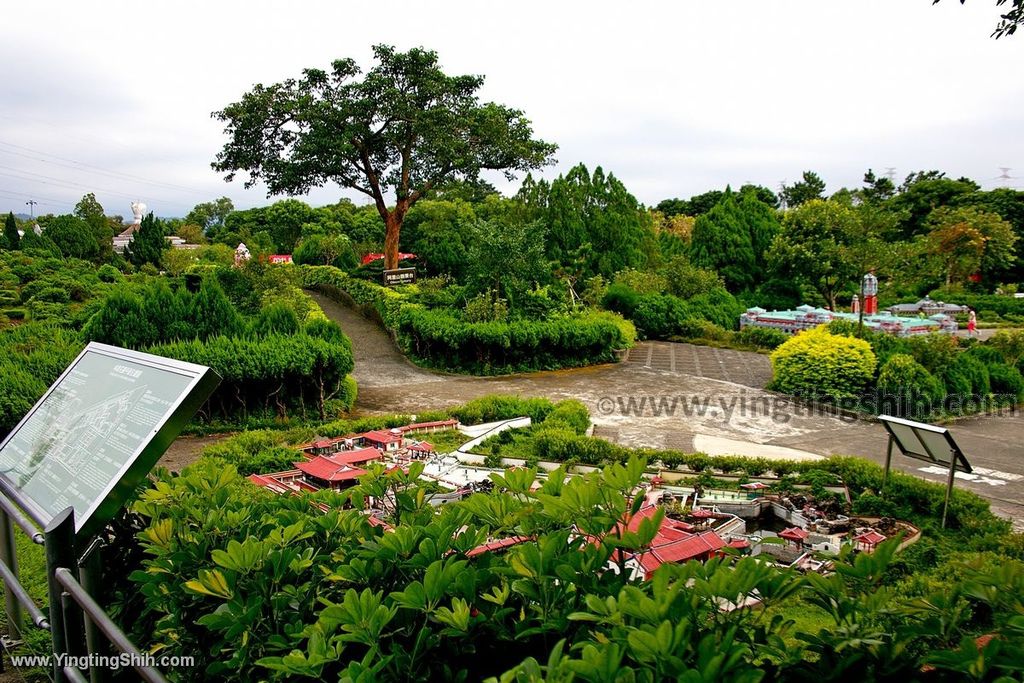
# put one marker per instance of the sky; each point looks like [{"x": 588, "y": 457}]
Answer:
[{"x": 674, "y": 98}]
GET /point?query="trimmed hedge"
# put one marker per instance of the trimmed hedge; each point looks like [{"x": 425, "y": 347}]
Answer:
[{"x": 441, "y": 339}]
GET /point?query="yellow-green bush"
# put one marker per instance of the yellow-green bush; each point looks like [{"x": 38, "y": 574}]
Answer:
[{"x": 818, "y": 364}]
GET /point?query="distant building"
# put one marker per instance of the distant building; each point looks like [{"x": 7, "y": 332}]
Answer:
[
  {"x": 807, "y": 317},
  {"x": 928, "y": 307}
]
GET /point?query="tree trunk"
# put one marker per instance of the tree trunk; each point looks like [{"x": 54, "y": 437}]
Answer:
[{"x": 394, "y": 227}]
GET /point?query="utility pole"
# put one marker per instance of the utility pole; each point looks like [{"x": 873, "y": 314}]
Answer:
[{"x": 31, "y": 208}]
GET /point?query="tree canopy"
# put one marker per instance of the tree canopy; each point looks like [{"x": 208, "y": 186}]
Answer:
[
  {"x": 11, "y": 239},
  {"x": 402, "y": 129}
]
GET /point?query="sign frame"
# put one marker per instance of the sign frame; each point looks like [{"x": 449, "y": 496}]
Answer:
[
  {"x": 399, "y": 276},
  {"x": 104, "y": 507},
  {"x": 925, "y": 445}
]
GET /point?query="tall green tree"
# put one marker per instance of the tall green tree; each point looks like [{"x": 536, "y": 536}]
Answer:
[
  {"x": 147, "y": 244},
  {"x": 808, "y": 188},
  {"x": 966, "y": 241},
  {"x": 404, "y": 128},
  {"x": 877, "y": 189},
  {"x": 591, "y": 221},
  {"x": 91, "y": 211},
  {"x": 507, "y": 259},
  {"x": 820, "y": 243},
  {"x": 73, "y": 237},
  {"x": 923, "y": 192},
  {"x": 210, "y": 216},
  {"x": 732, "y": 238},
  {"x": 12, "y": 239}
]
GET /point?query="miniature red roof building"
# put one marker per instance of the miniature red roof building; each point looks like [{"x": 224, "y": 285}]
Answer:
[
  {"x": 754, "y": 486},
  {"x": 429, "y": 426},
  {"x": 382, "y": 437},
  {"x": 701, "y": 513},
  {"x": 869, "y": 539},
  {"x": 327, "y": 470},
  {"x": 699, "y": 546},
  {"x": 422, "y": 447},
  {"x": 355, "y": 457},
  {"x": 795, "y": 534},
  {"x": 739, "y": 543},
  {"x": 377, "y": 256}
]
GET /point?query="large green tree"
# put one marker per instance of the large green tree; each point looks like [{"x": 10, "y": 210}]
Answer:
[
  {"x": 732, "y": 238},
  {"x": 11, "y": 238},
  {"x": 91, "y": 211},
  {"x": 967, "y": 240},
  {"x": 403, "y": 128},
  {"x": 73, "y": 237},
  {"x": 808, "y": 188},
  {"x": 147, "y": 244},
  {"x": 210, "y": 216},
  {"x": 821, "y": 243},
  {"x": 594, "y": 225}
]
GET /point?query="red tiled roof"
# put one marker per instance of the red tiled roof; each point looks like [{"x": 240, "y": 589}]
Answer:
[
  {"x": 356, "y": 456},
  {"x": 381, "y": 436},
  {"x": 794, "y": 534},
  {"x": 694, "y": 546},
  {"x": 870, "y": 537},
  {"x": 701, "y": 513},
  {"x": 497, "y": 544},
  {"x": 429, "y": 425},
  {"x": 424, "y": 446},
  {"x": 739, "y": 543},
  {"x": 327, "y": 470}
]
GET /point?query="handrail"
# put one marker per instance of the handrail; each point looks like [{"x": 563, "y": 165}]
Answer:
[
  {"x": 21, "y": 520},
  {"x": 11, "y": 581},
  {"x": 111, "y": 630}
]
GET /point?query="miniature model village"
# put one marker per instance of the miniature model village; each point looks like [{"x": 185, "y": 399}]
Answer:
[{"x": 793, "y": 529}]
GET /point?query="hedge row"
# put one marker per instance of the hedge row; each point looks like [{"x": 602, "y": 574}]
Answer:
[
  {"x": 275, "y": 373},
  {"x": 440, "y": 338}
]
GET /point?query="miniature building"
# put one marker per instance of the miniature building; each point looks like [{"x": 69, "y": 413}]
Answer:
[
  {"x": 428, "y": 427},
  {"x": 928, "y": 308},
  {"x": 420, "y": 449},
  {"x": 675, "y": 542},
  {"x": 384, "y": 440},
  {"x": 808, "y": 317},
  {"x": 277, "y": 259},
  {"x": 337, "y": 471},
  {"x": 794, "y": 535},
  {"x": 868, "y": 540}
]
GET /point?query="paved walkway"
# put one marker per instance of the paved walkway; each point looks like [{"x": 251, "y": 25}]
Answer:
[{"x": 667, "y": 395}]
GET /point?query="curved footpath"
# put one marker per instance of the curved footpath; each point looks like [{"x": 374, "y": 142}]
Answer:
[{"x": 685, "y": 397}]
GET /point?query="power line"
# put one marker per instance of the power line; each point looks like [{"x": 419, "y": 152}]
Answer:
[
  {"x": 82, "y": 164},
  {"x": 67, "y": 184}
]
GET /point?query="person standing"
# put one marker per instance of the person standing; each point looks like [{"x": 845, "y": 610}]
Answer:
[{"x": 972, "y": 324}]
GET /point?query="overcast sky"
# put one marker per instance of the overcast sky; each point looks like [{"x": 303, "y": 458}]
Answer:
[{"x": 673, "y": 98}]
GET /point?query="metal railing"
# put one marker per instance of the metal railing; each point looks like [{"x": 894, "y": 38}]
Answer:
[{"x": 80, "y": 629}]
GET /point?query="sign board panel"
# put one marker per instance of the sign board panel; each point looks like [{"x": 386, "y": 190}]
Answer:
[
  {"x": 926, "y": 442},
  {"x": 399, "y": 276},
  {"x": 98, "y": 431}
]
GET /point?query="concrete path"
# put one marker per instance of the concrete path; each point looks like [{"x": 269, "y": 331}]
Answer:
[{"x": 677, "y": 396}]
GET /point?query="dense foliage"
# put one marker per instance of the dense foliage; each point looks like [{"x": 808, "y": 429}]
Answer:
[
  {"x": 442, "y": 338},
  {"x": 268, "y": 587}
]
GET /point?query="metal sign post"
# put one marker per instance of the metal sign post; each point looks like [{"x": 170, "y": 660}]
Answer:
[{"x": 928, "y": 443}]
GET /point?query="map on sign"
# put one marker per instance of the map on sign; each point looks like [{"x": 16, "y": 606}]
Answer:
[{"x": 84, "y": 435}]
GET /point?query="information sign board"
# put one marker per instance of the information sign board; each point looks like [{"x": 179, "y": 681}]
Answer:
[
  {"x": 98, "y": 431},
  {"x": 399, "y": 276}
]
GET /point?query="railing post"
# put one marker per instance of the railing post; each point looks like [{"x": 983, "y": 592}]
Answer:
[
  {"x": 9, "y": 556},
  {"x": 59, "y": 541},
  {"x": 90, "y": 572}
]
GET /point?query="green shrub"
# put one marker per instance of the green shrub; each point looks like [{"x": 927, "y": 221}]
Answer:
[
  {"x": 761, "y": 337},
  {"x": 571, "y": 413},
  {"x": 502, "y": 407},
  {"x": 906, "y": 386},
  {"x": 1006, "y": 382},
  {"x": 817, "y": 364}
]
